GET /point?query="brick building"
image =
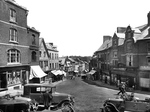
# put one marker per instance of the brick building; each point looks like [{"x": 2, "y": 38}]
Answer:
[
  {"x": 126, "y": 56},
  {"x": 18, "y": 45}
]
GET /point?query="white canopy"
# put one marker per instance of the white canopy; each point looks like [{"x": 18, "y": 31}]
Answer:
[
  {"x": 36, "y": 71},
  {"x": 58, "y": 72},
  {"x": 91, "y": 72}
]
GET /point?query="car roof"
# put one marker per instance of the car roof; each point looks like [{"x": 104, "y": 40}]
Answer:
[{"x": 40, "y": 85}]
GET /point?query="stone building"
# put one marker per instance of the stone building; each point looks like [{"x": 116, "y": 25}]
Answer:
[{"x": 126, "y": 56}]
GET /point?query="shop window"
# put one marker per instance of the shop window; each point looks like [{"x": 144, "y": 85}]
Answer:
[
  {"x": 13, "y": 56},
  {"x": 13, "y": 16},
  {"x": 33, "y": 56},
  {"x": 13, "y": 35},
  {"x": 14, "y": 77}
]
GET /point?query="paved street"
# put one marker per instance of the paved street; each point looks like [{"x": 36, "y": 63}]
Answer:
[{"x": 88, "y": 97}]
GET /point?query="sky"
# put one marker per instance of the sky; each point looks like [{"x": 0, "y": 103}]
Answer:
[{"x": 77, "y": 27}]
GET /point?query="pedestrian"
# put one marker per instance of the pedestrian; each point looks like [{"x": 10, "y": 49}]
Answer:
[
  {"x": 121, "y": 88},
  {"x": 47, "y": 98}
]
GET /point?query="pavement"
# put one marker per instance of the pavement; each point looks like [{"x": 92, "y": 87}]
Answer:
[{"x": 102, "y": 84}]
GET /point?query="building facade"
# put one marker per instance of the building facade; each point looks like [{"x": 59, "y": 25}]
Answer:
[
  {"x": 125, "y": 57},
  {"x": 17, "y": 53},
  {"x": 44, "y": 56},
  {"x": 53, "y": 56}
]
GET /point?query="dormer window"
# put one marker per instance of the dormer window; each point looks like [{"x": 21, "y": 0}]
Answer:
[{"x": 13, "y": 15}]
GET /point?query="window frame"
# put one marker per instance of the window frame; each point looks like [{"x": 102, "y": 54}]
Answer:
[
  {"x": 13, "y": 35},
  {"x": 12, "y": 15},
  {"x": 33, "y": 56},
  {"x": 13, "y": 56}
]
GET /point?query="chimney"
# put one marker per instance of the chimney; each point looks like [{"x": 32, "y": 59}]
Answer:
[
  {"x": 148, "y": 19},
  {"x": 106, "y": 38}
]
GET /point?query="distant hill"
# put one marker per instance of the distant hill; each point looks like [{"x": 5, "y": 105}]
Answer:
[{"x": 83, "y": 58}]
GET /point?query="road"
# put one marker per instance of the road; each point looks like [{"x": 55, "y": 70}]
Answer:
[{"x": 88, "y": 98}]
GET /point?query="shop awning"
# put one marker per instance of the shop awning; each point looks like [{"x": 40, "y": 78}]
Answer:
[
  {"x": 59, "y": 72},
  {"x": 36, "y": 71},
  {"x": 91, "y": 72}
]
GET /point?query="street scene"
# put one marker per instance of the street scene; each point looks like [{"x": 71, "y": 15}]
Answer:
[{"x": 74, "y": 56}]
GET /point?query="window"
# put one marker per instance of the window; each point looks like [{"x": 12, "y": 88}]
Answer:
[
  {"x": 41, "y": 64},
  {"x": 148, "y": 60},
  {"x": 129, "y": 60},
  {"x": 46, "y": 63},
  {"x": 148, "y": 47},
  {"x": 13, "y": 15},
  {"x": 13, "y": 35},
  {"x": 115, "y": 54},
  {"x": 33, "y": 39},
  {"x": 44, "y": 54},
  {"x": 40, "y": 53},
  {"x": 34, "y": 56},
  {"x": 50, "y": 55},
  {"x": 13, "y": 56},
  {"x": 50, "y": 65},
  {"x": 14, "y": 77}
]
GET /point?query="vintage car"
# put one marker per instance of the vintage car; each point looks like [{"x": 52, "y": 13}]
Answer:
[
  {"x": 35, "y": 91},
  {"x": 15, "y": 104},
  {"x": 126, "y": 102}
]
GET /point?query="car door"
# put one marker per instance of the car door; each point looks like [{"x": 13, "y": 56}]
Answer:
[
  {"x": 36, "y": 94},
  {"x": 136, "y": 106}
]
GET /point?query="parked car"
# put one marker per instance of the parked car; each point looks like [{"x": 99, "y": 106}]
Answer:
[
  {"x": 36, "y": 91},
  {"x": 126, "y": 102},
  {"x": 15, "y": 104}
]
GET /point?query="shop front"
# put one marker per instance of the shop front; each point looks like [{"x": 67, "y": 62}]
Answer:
[
  {"x": 124, "y": 75},
  {"x": 13, "y": 77},
  {"x": 144, "y": 80}
]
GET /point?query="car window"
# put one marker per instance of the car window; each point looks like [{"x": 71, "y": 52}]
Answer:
[
  {"x": 43, "y": 89},
  {"x": 35, "y": 90}
]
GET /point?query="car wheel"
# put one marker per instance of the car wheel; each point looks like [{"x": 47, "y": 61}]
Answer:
[
  {"x": 67, "y": 108},
  {"x": 66, "y": 104},
  {"x": 107, "y": 109}
]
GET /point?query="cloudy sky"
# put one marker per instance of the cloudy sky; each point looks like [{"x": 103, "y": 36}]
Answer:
[{"x": 77, "y": 27}]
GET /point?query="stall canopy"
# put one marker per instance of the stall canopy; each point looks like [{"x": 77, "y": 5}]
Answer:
[
  {"x": 91, "y": 72},
  {"x": 36, "y": 71},
  {"x": 58, "y": 72}
]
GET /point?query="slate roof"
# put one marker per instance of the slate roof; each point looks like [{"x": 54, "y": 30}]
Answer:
[
  {"x": 51, "y": 47},
  {"x": 41, "y": 40},
  {"x": 140, "y": 33},
  {"x": 14, "y": 2}
]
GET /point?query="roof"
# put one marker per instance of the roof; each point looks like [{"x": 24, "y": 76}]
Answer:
[
  {"x": 105, "y": 45},
  {"x": 62, "y": 59},
  {"x": 13, "y": 2},
  {"x": 41, "y": 40},
  {"x": 51, "y": 47},
  {"x": 40, "y": 85},
  {"x": 140, "y": 33}
]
